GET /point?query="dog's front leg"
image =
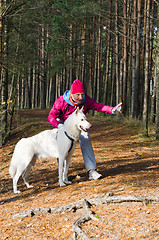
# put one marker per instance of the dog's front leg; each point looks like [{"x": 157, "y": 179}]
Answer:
[
  {"x": 61, "y": 166},
  {"x": 65, "y": 172}
]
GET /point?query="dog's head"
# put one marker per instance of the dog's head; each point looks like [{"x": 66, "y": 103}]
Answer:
[{"x": 82, "y": 122}]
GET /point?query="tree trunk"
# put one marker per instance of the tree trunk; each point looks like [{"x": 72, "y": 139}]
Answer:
[
  {"x": 33, "y": 87},
  {"x": 112, "y": 98},
  {"x": 138, "y": 57},
  {"x": 42, "y": 73},
  {"x": 91, "y": 62},
  {"x": 108, "y": 55},
  {"x": 153, "y": 98},
  {"x": 121, "y": 79},
  {"x": 98, "y": 60},
  {"x": 157, "y": 77},
  {"x": 26, "y": 87},
  {"x": 19, "y": 89},
  {"x": 142, "y": 76},
  {"x": 151, "y": 66},
  {"x": 1, "y": 32},
  {"x": 129, "y": 48},
  {"x": 147, "y": 81},
  {"x": 23, "y": 92},
  {"x": 71, "y": 53},
  {"x": 4, "y": 82},
  {"x": 124, "y": 56},
  {"x": 134, "y": 82},
  {"x": 83, "y": 51},
  {"x": 37, "y": 95},
  {"x": 117, "y": 52},
  {"x": 57, "y": 86}
]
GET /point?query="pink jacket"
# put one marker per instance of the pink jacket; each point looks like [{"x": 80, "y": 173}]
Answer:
[{"x": 62, "y": 108}]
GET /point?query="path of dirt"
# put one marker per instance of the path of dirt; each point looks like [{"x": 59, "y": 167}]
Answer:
[{"x": 129, "y": 165}]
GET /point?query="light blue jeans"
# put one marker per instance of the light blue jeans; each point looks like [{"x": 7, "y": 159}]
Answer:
[{"x": 87, "y": 151}]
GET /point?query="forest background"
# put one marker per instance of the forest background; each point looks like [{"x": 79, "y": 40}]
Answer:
[{"x": 111, "y": 46}]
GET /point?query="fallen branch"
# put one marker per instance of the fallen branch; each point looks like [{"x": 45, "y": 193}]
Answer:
[
  {"x": 107, "y": 199},
  {"x": 86, "y": 204},
  {"x": 88, "y": 216}
]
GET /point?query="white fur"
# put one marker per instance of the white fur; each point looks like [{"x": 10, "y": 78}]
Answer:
[{"x": 48, "y": 144}]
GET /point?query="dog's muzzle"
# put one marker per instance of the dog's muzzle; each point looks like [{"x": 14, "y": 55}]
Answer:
[{"x": 84, "y": 129}]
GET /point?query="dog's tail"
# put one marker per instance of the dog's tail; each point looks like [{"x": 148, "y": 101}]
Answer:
[{"x": 12, "y": 170}]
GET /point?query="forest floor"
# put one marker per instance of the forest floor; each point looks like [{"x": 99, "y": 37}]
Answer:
[{"x": 128, "y": 162}]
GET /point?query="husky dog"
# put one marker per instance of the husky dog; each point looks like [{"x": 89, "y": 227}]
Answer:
[{"x": 56, "y": 143}]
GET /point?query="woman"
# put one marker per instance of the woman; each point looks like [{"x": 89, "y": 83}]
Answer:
[{"x": 66, "y": 105}]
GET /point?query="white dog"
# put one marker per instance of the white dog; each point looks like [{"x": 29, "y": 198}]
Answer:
[{"x": 56, "y": 143}]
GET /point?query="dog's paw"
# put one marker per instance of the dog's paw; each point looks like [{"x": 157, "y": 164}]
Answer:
[
  {"x": 17, "y": 192},
  {"x": 30, "y": 186},
  {"x": 62, "y": 184},
  {"x": 68, "y": 182}
]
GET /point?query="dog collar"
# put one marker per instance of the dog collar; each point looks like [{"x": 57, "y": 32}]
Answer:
[{"x": 72, "y": 140}]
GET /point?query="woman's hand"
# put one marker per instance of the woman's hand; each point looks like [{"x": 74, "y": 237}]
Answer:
[{"x": 117, "y": 109}]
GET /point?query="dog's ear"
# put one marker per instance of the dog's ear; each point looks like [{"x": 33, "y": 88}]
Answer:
[
  {"x": 82, "y": 109},
  {"x": 76, "y": 111}
]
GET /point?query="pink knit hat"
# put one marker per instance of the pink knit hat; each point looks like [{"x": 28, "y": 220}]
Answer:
[{"x": 77, "y": 87}]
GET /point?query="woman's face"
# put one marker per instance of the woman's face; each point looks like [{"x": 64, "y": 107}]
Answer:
[{"x": 78, "y": 97}]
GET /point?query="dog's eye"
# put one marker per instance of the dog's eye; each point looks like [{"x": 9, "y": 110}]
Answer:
[{"x": 82, "y": 119}]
